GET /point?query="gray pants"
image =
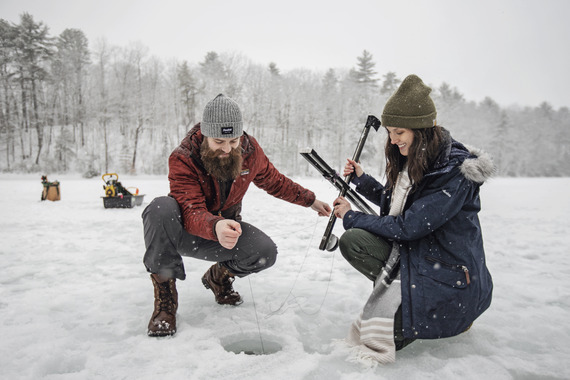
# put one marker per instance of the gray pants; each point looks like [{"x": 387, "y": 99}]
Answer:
[
  {"x": 368, "y": 254},
  {"x": 167, "y": 241}
]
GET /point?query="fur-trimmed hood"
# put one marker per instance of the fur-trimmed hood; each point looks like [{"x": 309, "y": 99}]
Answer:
[
  {"x": 479, "y": 167},
  {"x": 475, "y": 164}
]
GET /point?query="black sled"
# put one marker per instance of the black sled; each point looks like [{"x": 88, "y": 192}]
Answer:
[{"x": 117, "y": 196}]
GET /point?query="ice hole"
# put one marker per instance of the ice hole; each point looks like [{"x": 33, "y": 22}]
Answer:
[{"x": 251, "y": 344}]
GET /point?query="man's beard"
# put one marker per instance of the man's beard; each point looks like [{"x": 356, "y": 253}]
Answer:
[{"x": 222, "y": 168}]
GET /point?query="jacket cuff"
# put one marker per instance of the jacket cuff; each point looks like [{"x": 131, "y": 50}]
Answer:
[
  {"x": 348, "y": 220},
  {"x": 213, "y": 224},
  {"x": 311, "y": 199},
  {"x": 358, "y": 180}
]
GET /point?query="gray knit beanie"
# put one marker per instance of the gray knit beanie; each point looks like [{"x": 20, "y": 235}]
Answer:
[
  {"x": 410, "y": 106},
  {"x": 222, "y": 118}
]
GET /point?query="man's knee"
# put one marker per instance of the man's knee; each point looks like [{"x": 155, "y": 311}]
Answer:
[
  {"x": 270, "y": 258},
  {"x": 268, "y": 255},
  {"x": 161, "y": 208}
]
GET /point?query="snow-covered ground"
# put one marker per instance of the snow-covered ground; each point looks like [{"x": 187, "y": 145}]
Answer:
[{"x": 75, "y": 298}]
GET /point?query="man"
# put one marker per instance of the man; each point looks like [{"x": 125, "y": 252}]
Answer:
[{"x": 209, "y": 174}]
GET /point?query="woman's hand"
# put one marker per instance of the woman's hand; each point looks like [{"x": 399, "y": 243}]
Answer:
[
  {"x": 352, "y": 166},
  {"x": 341, "y": 207}
]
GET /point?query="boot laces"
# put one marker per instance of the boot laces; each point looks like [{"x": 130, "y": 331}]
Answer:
[
  {"x": 228, "y": 290},
  {"x": 166, "y": 301}
]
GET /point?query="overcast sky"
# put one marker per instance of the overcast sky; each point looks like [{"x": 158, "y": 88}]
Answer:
[{"x": 515, "y": 51}]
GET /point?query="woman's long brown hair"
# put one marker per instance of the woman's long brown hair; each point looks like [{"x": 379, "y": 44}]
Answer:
[{"x": 423, "y": 152}]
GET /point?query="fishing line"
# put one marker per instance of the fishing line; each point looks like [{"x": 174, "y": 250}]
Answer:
[
  {"x": 290, "y": 294},
  {"x": 256, "y": 319},
  {"x": 294, "y": 298}
]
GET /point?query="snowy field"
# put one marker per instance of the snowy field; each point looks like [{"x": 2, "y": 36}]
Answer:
[{"x": 75, "y": 298}]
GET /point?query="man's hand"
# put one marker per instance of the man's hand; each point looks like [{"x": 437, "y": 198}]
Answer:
[
  {"x": 321, "y": 207},
  {"x": 228, "y": 232},
  {"x": 341, "y": 207}
]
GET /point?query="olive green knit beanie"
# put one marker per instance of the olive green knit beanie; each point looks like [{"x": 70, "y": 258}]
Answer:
[{"x": 410, "y": 106}]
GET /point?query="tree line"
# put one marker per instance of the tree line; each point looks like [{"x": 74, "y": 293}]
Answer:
[{"x": 68, "y": 106}]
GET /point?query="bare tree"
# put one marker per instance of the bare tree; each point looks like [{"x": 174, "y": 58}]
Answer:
[
  {"x": 32, "y": 50},
  {"x": 102, "y": 55},
  {"x": 189, "y": 90},
  {"x": 8, "y": 111},
  {"x": 73, "y": 57}
]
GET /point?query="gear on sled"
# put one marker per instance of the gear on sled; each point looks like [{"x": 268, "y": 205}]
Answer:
[{"x": 118, "y": 196}]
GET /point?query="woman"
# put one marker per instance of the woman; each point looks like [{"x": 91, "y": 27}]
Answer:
[{"x": 427, "y": 241}]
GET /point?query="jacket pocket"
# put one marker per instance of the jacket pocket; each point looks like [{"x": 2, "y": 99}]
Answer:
[
  {"x": 454, "y": 275},
  {"x": 445, "y": 300}
]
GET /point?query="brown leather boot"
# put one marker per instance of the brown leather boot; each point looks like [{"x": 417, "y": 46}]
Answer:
[
  {"x": 219, "y": 280},
  {"x": 163, "y": 320}
]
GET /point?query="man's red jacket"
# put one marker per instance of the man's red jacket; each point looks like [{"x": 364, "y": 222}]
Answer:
[{"x": 198, "y": 193}]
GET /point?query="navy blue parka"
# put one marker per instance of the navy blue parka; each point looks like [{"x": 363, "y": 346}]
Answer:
[{"x": 444, "y": 278}]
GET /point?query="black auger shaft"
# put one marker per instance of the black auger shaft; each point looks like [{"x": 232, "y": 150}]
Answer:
[{"x": 330, "y": 241}]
